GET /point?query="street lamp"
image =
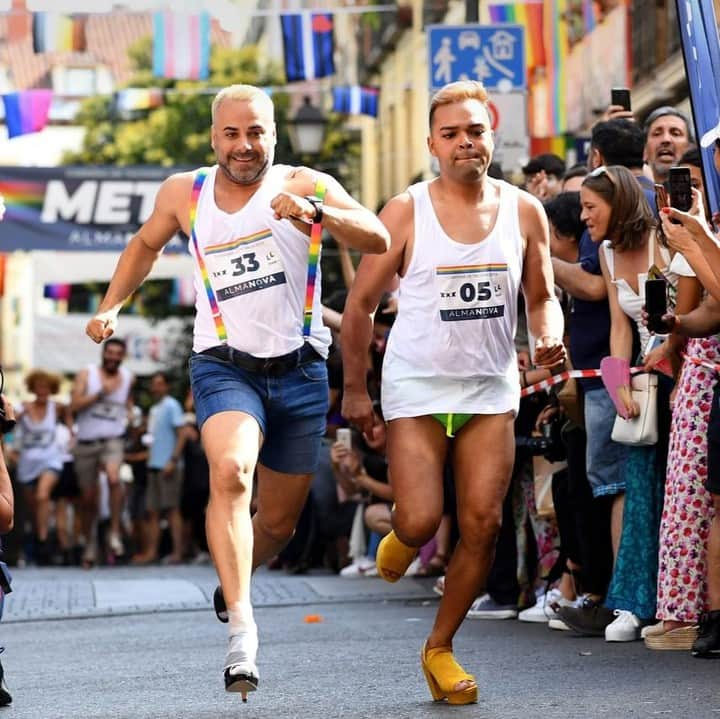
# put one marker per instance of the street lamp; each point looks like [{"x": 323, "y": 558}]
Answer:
[{"x": 307, "y": 129}]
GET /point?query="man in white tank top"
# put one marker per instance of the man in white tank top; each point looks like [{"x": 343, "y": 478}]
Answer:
[
  {"x": 258, "y": 375},
  {"x": 464, "y": 245},
  {"x": 100, "y": 401}
]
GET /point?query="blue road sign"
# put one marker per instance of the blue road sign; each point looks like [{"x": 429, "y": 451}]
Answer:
[{"x": 493, "y": 54}]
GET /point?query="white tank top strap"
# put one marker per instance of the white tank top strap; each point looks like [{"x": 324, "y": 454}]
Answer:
[{"x": 609, "y": 258}]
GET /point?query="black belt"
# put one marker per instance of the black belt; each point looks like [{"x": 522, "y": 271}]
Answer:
[{"x": 272, "y": 366}]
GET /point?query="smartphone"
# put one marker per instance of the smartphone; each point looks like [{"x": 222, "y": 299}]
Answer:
[
  {"x": 661, "y": 196},
  {"x": 680, "y": 188},
  {"x": 620, "y": 96},
  {"x": 656, "y": 304},
  {"x": 344, "y": 436}
]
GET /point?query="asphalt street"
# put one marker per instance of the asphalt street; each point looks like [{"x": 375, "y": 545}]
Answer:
[{"x": 361, "y": 660}]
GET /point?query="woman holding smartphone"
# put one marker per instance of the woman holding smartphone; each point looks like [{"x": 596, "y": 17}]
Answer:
[
  {"x": 618, "y": 215},
  {"x": 682, "y": 594}
]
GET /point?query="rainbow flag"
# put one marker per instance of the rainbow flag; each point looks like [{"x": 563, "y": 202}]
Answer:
[
  {"x": 556, "y": 52},
  {"x": 530, "y": 15},
  {"x": 181, "y": 46},
  {"x": 541, "y": 145},
  {"x": 53, "y": 32},
  {"x": 26, "y": 111}
]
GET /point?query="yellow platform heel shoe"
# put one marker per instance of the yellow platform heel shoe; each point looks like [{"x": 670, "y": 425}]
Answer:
[
  {"x": 443, "y": 674},
  {"x": 393, "y": 557}
]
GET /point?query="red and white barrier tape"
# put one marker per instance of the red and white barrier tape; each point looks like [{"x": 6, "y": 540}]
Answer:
[
  {"x": 563, "y": 377},
  {"x": 586, "y": 373}
]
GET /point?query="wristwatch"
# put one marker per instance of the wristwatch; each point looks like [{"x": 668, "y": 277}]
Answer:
[{"x": 317, "y": 203}]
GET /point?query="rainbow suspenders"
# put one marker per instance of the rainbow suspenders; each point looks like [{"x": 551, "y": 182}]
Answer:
[{"x": 313, "y": 259}]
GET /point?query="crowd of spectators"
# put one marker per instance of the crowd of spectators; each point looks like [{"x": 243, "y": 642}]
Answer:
[{"x": 629, "y": 548}]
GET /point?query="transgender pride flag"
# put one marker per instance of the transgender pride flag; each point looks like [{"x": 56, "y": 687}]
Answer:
[{"x": 181, "y": 46}]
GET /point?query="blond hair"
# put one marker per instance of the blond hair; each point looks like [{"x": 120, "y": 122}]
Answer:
[
  {"x": 243, "y": 93},
  {"x": 457, "y": 92}
]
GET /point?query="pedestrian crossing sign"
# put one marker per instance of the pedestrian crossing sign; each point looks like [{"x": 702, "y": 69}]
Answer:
[{"x": 492, "y": 54}]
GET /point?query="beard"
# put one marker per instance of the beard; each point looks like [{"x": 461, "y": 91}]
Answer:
[
  {"x": 111, "y": 366},
  {"x": 247, "y": 176}
]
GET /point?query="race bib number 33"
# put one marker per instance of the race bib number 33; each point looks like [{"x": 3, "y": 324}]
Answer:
[
  {"x": 471, "y": 292},
  {"x": 244, "y": 265}
]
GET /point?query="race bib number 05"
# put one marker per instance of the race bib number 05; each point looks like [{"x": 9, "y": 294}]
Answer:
[
  {"x": 244, "y": 265},
  {"x": 471, "y": 292}
]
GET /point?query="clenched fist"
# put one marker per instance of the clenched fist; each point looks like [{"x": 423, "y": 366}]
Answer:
[{"x": 292, "y": 207}]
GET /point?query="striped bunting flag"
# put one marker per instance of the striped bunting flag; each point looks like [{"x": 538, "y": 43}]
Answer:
[
  {"x": 52, "y": 32},
  {"x": 309, "y": 45},
  {"x": 356, "y": 100},
  {"x": 138, "y": 98},
  {"x": 181, "y": 46},
  {"x": 26, "y": 111}
]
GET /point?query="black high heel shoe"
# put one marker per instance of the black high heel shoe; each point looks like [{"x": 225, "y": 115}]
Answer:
[
  {"x": 240, "y": 673},
  {"x": 219, "y": 604},
  {"x": 244, "y": 681}
]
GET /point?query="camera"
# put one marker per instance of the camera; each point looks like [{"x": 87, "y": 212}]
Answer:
[{"x": 549, "y": 444}]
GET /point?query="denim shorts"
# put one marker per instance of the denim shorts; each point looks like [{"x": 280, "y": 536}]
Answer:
[
  {"x": 605, "y": 459},
  {"x": 290, "y": 409}
]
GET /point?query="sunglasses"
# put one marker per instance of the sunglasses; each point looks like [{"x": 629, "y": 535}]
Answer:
[
  {"x": 717, "y": 144},
  {"x": 603, "y": 170}
]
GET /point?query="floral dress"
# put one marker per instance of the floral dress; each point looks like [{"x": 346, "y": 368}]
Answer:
[{"x": 688, "y": 508}]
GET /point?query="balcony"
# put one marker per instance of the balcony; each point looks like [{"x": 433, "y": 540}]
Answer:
[
  {"x": 655, "y": 36},
  {"x": 378, "y": 34}
]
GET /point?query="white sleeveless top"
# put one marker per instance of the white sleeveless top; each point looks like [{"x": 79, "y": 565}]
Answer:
[
  {"x": 452, "y": 348},
  {"x": 38, "y": 450},
  {"x": 632, "y": 302},
  {"x": 257, "y": 266},
  {"x": 106, "y": 418}
]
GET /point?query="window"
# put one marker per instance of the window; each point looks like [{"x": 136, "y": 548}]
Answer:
[{"x": 79, "y": 81}]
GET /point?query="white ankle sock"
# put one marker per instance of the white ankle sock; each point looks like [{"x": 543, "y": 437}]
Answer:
[
  {"x": 243, "y": 636},
  {"x": 240, "y": 618}
]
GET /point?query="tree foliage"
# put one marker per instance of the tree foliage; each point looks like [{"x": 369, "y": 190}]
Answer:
[{"x": 178, "y": 133}]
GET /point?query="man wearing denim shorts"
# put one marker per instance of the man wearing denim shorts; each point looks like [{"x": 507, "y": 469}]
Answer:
[
  {"x": 101, "y": 402},
  {"x": 258, "y": 373}
]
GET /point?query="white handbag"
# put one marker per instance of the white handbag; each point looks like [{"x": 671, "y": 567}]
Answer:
[{"x": 641, "y": 430}]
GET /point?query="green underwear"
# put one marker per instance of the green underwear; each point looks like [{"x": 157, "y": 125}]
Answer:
[{"x": 453, "y": 423}]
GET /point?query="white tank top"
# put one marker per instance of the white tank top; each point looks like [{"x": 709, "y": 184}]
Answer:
[
  {"x": 632, "y": 302},
  {"x": 257, "y": 266},
  {"x": 38, "y": 450},
  {"x": 452, "y": 348},
  {"x": 106, "y": 418}
]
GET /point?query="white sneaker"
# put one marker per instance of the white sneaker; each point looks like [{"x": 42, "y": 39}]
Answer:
[
  {"x": 542, "y": 610},
  {"x": 362, "y": 567},
  {"x": 626, "y": 628},
  {"x": 116, "y": 545}
]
